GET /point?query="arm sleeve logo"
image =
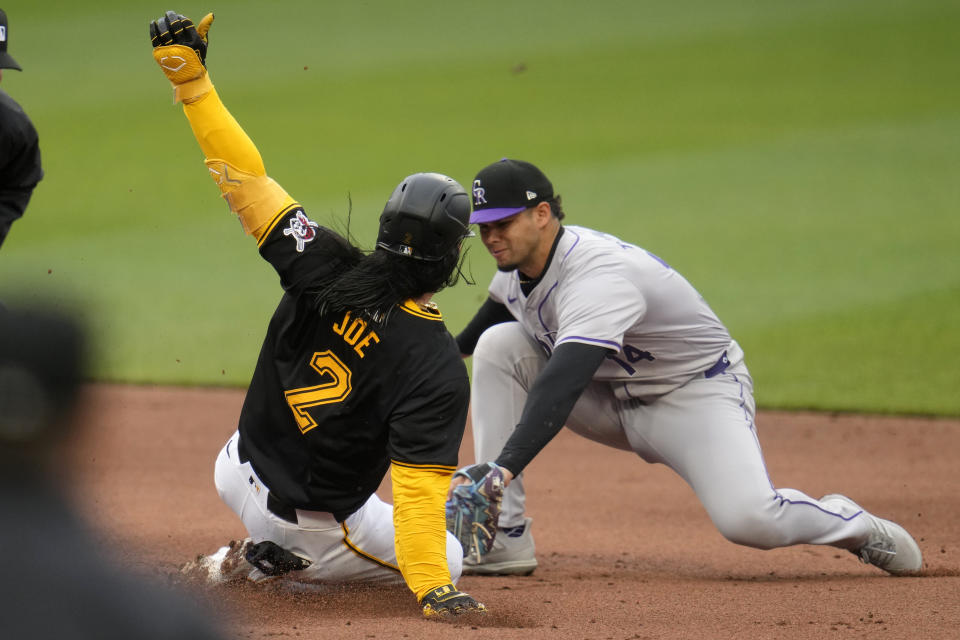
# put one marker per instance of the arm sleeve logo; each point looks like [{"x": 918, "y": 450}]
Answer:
[{"x": 302, "y": 229}]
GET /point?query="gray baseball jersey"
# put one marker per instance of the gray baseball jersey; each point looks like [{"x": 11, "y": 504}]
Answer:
[
  {"x": 662, "y": 329},
  {"x": 599, "y": 290}
]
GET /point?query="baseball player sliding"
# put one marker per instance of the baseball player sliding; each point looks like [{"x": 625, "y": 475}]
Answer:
[
  {"x": 357, "y": 373},
  {"x": 585, "y": 330}
]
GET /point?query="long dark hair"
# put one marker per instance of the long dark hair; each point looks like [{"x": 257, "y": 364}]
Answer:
[{"x": 372, "y": 284}]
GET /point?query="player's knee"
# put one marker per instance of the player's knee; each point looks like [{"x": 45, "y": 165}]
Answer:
[
  {"x": 501, "y": 339},
  {"x": 221, "y": 474},
  {"x": 508, "y": 347},
  {"x": 454, "y": 557},
  {"x": 505, "y": 351},
  {"x": 750, "y": 526}
]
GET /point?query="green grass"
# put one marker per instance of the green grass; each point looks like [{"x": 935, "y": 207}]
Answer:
[
  {"x": 798, "y": 162},
  {"x": 872, "y": 356}
]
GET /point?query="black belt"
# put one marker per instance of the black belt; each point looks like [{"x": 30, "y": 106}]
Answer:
[
  {"x": 719, "y": 366},
  {"x": 274, "y": 505}
]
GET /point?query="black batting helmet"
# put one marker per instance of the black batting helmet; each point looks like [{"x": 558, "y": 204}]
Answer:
[{"x": 427, "y": 215}]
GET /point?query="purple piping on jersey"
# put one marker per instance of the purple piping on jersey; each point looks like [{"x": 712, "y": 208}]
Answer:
[
  {"x": 752, "y": 427},
  {"x": 743, "y": 402},
  {"x": 547, "y": 296},
  {"x": 783, "y": 500},
  {"x": 540, "y": 307},
  {"x": 595, "y": 340},
  {"x": 575, "y": 243},
  {"x": 776, "y": 494}
]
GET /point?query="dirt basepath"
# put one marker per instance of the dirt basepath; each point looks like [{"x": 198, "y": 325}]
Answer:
[{"x": 625, "y": 549}]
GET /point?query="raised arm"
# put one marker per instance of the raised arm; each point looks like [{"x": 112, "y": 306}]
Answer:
[{"x": 180, "y": 48}]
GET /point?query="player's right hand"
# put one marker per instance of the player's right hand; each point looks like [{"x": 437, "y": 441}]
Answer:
[{"x": 446, "y": 601}]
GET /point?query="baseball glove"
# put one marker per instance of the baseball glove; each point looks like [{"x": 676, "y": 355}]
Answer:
[
  {"x": 446, "y": 600},
  {"x": 473, "y": 508}
]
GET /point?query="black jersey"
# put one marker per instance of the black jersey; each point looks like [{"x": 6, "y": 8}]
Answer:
[
  {"x": 335, "y": 397},
  {"x": 20, "y": 169}
]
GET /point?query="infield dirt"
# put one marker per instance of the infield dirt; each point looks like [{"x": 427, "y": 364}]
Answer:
[{"x": 625, "y": 549}]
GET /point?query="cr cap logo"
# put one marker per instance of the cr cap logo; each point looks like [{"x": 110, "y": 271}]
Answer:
[
  {"x": 302, "y": 229},
  {"x": 531, "y": 195},
  {"x": 3, "y": 33},
  {"x": 479, "y": 194}
]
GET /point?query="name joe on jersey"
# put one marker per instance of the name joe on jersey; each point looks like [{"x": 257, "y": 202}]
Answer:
[{"x": 354, "y": 332}]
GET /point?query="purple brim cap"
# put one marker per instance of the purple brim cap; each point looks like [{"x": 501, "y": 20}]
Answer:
[{"x": 491, "y": 215}]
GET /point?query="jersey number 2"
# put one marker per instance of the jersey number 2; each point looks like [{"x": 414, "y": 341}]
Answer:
[{"x": 336, "y": 389}]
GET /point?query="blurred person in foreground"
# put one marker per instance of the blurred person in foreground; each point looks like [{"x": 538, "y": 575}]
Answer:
[{"x": 55, "y": 583}]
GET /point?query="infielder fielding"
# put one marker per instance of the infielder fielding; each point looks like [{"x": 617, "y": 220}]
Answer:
[
  {"x": 585, "y": 330},
  {"x": 357, "y": 373}
]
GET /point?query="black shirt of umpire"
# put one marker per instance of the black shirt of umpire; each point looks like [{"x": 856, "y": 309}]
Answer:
[{"x": 20, "y": 169}]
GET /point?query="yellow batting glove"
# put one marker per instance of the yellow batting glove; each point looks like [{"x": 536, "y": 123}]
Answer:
[
  {"x": 204, "y": 27},
  {"x": 180, "y": 49}
]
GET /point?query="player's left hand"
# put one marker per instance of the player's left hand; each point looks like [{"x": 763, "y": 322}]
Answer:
[
  {"x": 473, "y": 506},
  {"x": 180, "y": 48},
  {"x": 445, "y": 601},
  {"x": 176, "y": 29}
]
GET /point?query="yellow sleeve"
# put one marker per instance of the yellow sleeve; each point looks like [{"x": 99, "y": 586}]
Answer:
[
  {"x": 235, "y": 164},
  {"x": 419, "y": 493}
]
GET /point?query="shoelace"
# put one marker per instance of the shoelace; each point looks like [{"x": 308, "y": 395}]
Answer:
[{"x": 881, "y": 549}]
